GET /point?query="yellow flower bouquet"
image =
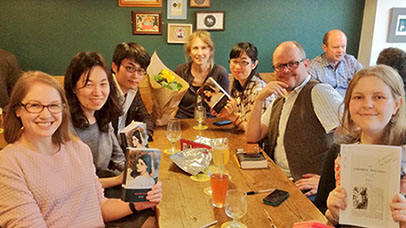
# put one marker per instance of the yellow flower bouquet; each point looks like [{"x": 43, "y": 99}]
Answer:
[
  {"x": 167, "y": 79},
  {"x": 167, "y": 90}
]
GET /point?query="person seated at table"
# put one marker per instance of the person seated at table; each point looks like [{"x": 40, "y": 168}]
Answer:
[
  {"x": 376, "y": 90},
  {"x": 47, "y": 178},
  {"x": 130, "y": 62},
  {"x": 395, "y": 58},
  {"x": 246, "y": 85},
  {"x": 199, "y": 66},
  {"x": 10, "y": 71},
  {"x": 94, "y": 102},
  {"x": 299, "y": 122}
]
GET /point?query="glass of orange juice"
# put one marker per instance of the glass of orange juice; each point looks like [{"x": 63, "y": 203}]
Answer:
[{"x": 219, "y": 186}]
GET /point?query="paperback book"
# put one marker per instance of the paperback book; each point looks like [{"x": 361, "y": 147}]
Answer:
[
  {"x": 134, "y": 135},
  {"x": 251, "y": 161},
  {"x": 140, "y": 174},
  {"x": 214, "y": 95}
]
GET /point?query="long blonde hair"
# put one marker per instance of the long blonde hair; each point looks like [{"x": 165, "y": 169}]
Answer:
[
  {"x": 205, "y": 37},
  {"x": 395, "y": 130}
]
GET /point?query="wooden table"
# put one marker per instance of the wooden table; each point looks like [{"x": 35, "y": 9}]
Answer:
[{"x": 185, "y": 204}]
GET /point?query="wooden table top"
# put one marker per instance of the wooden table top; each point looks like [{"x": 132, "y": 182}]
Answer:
[{"x": 184, "y": 203}]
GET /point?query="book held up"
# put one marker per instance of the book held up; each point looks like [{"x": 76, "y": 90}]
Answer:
[
  {"x": 140, "y": 174},
  {"x": 214, "y": 95}
]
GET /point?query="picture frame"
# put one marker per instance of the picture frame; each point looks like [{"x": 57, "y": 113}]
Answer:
[
  {"x": 397, "y": 28},
  {"x": 140, "y": 3},
  {"x": 177, "y": 9},
  {"x": 149, "y": 23},
  {"x": 179, "y": 33},
  {"x": 199, "y": 3},
  {"x": 210, "y": 20}
]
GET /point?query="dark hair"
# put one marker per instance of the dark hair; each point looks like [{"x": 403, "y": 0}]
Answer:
[
  {"x": 133, "y": 51},
  {"x": 395, "y": 58},
  {"x": 137, "y": 134},
  {"x": 252, "y": 52},
  {"x": 81, "y": 64},
  {"x": 146, "y": 158},
  {"x": 13, "y": 124}
]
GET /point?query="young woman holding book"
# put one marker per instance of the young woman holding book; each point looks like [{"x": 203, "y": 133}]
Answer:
[
  {"x": 374, "y": 113},
  {"x": 94, "y": 102},
  {"x": 199, "y": 66},
  {"x": 47, "y": 178},
  {"x": 246, "y": 85}
]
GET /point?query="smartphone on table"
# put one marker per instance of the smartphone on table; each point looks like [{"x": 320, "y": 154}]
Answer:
[
  {"x": 222, "y": 123},
  {"x": 276, "y": 197}
]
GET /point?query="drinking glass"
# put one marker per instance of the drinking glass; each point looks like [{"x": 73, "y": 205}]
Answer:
[
  {"x": 219, "y": 185},
  {"x": 200, "y": 117},
  {"x": 1, "y": 120},
  {"x": 173, "y": 134},
  {"x": 221, "y": 154},
  {"x": 235, "y": 208}
]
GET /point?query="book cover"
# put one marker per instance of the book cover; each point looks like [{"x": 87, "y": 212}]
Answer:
[
  {"x": 214, "y": 95},
  {"x": 370, "y": 175},
  {"x": 134, "y": 135},
  {"x": 140, "y": 174},
  {"x": 251, "y": 162}
]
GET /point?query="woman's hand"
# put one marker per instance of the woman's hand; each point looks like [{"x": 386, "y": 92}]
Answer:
[
  {"x": 398, "y": 208},
  {"x": 154, "y": 197},
  {"x": 336, "y": 200},
  {"x": 228, "y": 111}
]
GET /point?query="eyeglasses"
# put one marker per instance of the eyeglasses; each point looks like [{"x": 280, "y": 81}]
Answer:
[
  {"x": 242, "y": 63},
  {"x": 291, "y": 65},
  {"x": 38, "y": 108},
  {"x": 131, "y": 69}
]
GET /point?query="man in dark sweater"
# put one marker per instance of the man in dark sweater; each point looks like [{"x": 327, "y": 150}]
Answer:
[
  {"x": 130, "y": 62},
  {"x": 299, "y": 121}
]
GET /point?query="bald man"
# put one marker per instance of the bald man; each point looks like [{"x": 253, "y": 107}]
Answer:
[
  {"x": 299, "y": 122},
  {"x": 334, "y": 66}
]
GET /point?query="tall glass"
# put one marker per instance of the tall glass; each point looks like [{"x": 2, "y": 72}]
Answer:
[
  {"x": 221, "y": 154},
  {"x": 200, "y": 117},
  {"x": 219, "y": 185},
  {"x": 173, "y": 133},
  {"x": 1, "y": 120},
  {"x": 235, "y": 207}
]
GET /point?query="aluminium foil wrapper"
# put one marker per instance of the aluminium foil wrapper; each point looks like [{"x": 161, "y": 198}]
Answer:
[{"x": 192, "y": 161}]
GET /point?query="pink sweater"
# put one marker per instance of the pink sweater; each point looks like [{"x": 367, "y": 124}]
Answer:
[{"x": 42, "y": 190}]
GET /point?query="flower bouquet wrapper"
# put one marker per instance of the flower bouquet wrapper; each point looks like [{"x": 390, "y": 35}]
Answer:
[{"x": 165, "y": 101}]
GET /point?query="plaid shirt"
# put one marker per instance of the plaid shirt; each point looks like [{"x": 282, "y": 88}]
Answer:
[
  {"x": 323, "y": 71},
  {"x": 245, "y": 98}
]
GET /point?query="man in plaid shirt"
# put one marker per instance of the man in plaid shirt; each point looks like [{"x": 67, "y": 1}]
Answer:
[{"x": 334, "y": 66}]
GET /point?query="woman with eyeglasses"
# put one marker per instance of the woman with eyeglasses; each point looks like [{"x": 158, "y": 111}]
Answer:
[
  {"x": 199, "y": 66},
  {"x": 47, "y": 178},
  {"x": 246, "y": 85}
]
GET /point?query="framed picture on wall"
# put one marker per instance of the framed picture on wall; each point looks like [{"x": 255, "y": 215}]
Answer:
[
  {"x": 214, "y": 20},
  {"x": 179, "y": 33},
  {"x": 177, "y": 9},
  {"x": 147, "y": 23},
  {"x": 397, "y": 29},
  {"x": 140, "y": 3},
  {"x": 199, "y": 3}
]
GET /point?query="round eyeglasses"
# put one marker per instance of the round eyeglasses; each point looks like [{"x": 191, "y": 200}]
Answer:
[{"x": 38, "y": 108}]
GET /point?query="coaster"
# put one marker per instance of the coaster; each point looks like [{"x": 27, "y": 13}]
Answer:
[
  {"x": 202, "y": 127},
  {"x": 200, "y": 177},
  {"x": 170, "y": 152},
  {"x": 207, "y": 191},
  {"x": 228, "y": 225}
]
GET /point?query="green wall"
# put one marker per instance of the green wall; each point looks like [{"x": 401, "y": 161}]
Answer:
[{"x": 45, "y": 34}]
